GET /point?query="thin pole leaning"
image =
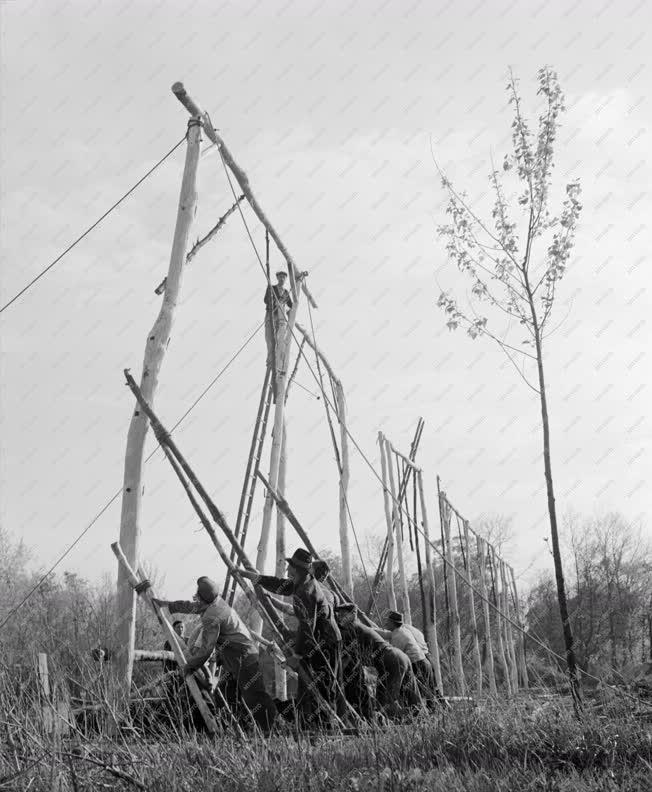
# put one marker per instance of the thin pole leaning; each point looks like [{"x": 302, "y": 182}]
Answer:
[
  {"x": 521, "y": 639},
  {"x": 405, "y": 594},
  {"x": 499, "y": 626},
  {"x": 474, "y": 624},
  {"x": 157, "y": 342},
  {"x": 390, "y": 524}
]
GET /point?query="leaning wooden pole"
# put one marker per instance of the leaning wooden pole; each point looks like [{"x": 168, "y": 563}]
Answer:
[
  {"x": 389, "y": 574},
  {"x": 172, "y": 637},
  {"x": 499, "y": 625},
  {"x": 155, "y": 348},
  {"x": 509, "y": 633},
  {"x": 405, "y": 593},
  {"x": 445, "y": 512},
  {"x": 486, "y": 618},
  {"x": 340, "y": 404},
  {"x": 431, "y": 631}
]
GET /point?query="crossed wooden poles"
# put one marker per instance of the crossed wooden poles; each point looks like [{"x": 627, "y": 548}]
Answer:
[{"x": 257, "y": 596}]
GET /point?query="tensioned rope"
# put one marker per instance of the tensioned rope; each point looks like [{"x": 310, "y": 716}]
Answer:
[
  {"x": 90, "y": 228},
  {"x": 446, "y": 562},
  {"x": 73, "y": 544}
]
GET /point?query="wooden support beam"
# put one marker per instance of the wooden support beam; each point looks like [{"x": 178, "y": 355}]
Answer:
[
  {"x": 280, "y": 677},
  {"x": 486, "y": 618},
  {"x": 389, "y": 575},
  {"x": 521, "y": 638},
  {"x": 405, "y": 459},
  {"x": 243, "y": 180},
  {"x": 405, "y": 592},
  {"x": 509, "y": 635},
  {"x": 173, "y": 638},
  {"x": 155, "y": 348},
  {"x": 431, "y": 633},
  {"x": 474, "y": 625},
  {"x": 445, "y": 514},
  {"x": 152, "y": 655}
]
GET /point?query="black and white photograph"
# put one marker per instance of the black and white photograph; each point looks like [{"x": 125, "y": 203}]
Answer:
[{"x": 325, "y": 378}]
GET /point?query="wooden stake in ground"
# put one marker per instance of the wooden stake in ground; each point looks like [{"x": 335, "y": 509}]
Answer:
[
  {"x": 431, "y": 631},
  {"x": 389, "y": 575},
  {"x": 509, "y": 634},
  {"x": 499, "y": 625},
  {"x": 157, "y": 343},
  {"x": 172, "y": 637},
  {"x": 445, "y": 513},
  {"x": 491, "y": 676}
]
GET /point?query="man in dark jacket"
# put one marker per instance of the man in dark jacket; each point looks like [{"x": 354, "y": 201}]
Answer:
[
  {"x": 395, "y": 676},
  {"x": 318, "y": 643},
  {"x": 225, "y": 632}
]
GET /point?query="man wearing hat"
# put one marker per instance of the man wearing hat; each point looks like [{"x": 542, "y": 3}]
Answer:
[
  {"x": 277, "y": 302},
  {"x": 364, "y": 644},
  {"x": 318, "y": 643},
  {"x": 402, "y": 638},
  {"x": 225, "y": 632}
]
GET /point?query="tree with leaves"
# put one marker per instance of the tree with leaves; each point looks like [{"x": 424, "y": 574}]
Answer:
[{"x": 515, "y": 262}]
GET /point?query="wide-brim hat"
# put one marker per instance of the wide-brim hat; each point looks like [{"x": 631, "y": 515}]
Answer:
[
  {"x": 301, "y": 559},
  {"x": 395, "y": 617}
]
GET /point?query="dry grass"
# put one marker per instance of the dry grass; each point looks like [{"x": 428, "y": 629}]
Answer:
[{"x": 518, "y": 746}]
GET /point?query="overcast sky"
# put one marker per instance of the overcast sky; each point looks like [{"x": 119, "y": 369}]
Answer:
[{"x": 334, "y": 111}]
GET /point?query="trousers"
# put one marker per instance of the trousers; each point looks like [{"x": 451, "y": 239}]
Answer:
[
  {"x": 322, "y": 667},
  {"x": 246, "y": 683}
]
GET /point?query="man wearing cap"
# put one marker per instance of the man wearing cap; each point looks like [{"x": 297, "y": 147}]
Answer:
[
  {"x": 225, "y": 632},
  {"x": 318, "y": 643},
  {"x": 178, "y": 627},
  {"x": 364, "y": 644},
  {"x": 277, "y": 302},
  {"x": 402, "y": 638}
]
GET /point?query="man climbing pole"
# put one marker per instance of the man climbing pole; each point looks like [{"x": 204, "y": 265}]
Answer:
[{"x": 278, "y": 302}]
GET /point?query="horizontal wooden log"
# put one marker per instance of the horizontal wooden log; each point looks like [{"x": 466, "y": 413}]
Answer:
[{"x": 153, "y": 654}]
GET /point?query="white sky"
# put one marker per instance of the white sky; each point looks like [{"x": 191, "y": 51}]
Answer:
[{"x": 331, "y": 109}]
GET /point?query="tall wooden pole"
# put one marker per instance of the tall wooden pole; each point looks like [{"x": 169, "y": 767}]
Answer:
[
  {"x": 157, "y": 343},
  {"x": 405, "y": 594},
  {"x": 499, "y": 622},
  {"x": 445, "y": 512},
  {"x": 509, "y": 634},
  {"x": 521, "y": 638},
  {"x": 474, "y": 624},
  {"x": 431, "y": 631},
  {"x": 283, "y": 354},
  {"x": 389, "y": 575},
  {"x": 280, "y": 676},
  {"x": 491, "y": 676},
  {"x": 340, "y": 405}
]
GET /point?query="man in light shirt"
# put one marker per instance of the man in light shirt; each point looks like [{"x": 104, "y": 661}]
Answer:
[{"x": 402, "y": 636}]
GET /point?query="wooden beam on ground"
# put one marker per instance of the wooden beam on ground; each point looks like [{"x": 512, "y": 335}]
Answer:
[
  {"x": 152, "y": 655},
  {"x": 173, "y": 638},
  {"x": 243, "y": 180},
  {"x": 156, "y": 345}
]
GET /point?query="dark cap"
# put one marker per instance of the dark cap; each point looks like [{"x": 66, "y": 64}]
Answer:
[
  {"x": 395, "y": 617},
  {"x": 207, "y": 590}
]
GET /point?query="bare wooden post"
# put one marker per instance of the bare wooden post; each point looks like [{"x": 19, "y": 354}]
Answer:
[
  {"x": 499, "y": 624},
  {"x": 283, "y": 353},
  {"x": 521, "y": 639},
  {"x": 340, "y": 405},
  {"x": 280, "y": 677},
  {"x": 474, "y": 624},
  {"x": 390, "y": 524},
  {"x": 44, "y": 685},
  {"x": 157, "y": 343},
  {"x": 445, "y": 511},
  {"x": 431, "y": 629},
  {"x": 509, "y": 634},
  {"x": 405, "y": 594},
  {"x": 491, "y": 676},
  {"x": 172, "y": 637}
]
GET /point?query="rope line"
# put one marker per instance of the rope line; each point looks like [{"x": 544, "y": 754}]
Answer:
[
  {"x": 71, "y": 547},
  {"x": 90, "y": 228}
]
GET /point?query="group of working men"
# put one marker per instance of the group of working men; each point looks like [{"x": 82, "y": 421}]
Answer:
[{"x": 332, "y": 651}]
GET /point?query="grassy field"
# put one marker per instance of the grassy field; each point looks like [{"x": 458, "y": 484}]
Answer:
[{"x": 494, "y": 747}]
